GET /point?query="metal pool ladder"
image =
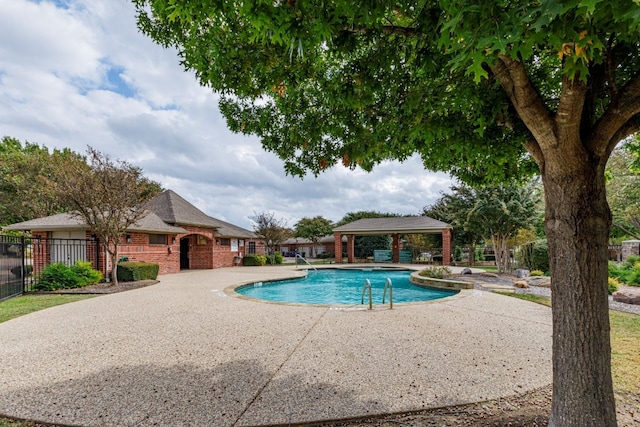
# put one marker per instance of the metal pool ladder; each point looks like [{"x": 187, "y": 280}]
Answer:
[
  {"x": 388, "y": 285},
  {"x": 366, "y": 286}
]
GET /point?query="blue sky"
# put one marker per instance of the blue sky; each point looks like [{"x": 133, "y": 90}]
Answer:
[{"x": 75, "y": 73}]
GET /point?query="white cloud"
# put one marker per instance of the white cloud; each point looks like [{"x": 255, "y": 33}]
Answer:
[{"x": 83, "y": 75}]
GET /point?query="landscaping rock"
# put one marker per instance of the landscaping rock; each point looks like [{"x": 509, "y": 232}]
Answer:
[
  {"x": 522, "y": 272},
  {"x": 521, "y": 284},
  {"x": 627, "y": 296},
  {"x": 466, "y": 271},
  {"x": 542, "y": 281},
  {"x": 487, "y": 274}
]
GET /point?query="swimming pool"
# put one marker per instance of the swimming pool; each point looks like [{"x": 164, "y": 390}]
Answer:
[{"x": 342, "y": 286}]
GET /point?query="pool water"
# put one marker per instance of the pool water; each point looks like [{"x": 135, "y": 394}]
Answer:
[{"x": 342, "y": 286}]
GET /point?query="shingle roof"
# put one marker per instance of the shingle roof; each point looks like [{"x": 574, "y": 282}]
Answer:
[
  {"x": 150, "y": 223},
  {"x": 225, "y": 229},
  {"x": 167, "y": 212},
  {"x": 173, "y": 209},
  {"x": 404, "y": 224}
]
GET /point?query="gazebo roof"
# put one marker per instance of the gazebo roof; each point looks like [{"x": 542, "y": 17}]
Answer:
[{"x": 393, "y": 225}]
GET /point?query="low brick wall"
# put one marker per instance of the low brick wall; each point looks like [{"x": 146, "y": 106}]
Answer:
[{"x": 439, "y": 283}]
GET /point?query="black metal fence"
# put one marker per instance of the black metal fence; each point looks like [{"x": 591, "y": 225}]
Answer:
[{"x": 22, "y": 259}]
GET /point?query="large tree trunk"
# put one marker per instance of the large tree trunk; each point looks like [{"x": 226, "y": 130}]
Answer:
[{"x": 577, "y": 226}]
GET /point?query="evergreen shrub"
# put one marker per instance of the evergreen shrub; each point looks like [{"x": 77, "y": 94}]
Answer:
[
  {"x": 628, "y": 272},
  {"x": 254, "y": 260},
  {"x": 134, "y": 271},
  {"x": 60, "y": 276}
]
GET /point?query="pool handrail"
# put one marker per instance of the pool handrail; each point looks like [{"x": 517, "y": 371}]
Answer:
[
  {"x": 367, "y": 285},
  {"x": 303, "y": 259},
  {"x": 388, "y": 284}
]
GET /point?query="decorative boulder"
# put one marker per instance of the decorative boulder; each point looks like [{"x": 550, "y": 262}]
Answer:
[
  {"x": 628, "y": 296},
  {"x": 487, "y": 274},
  {"x": 521, "y": 284},
  {"x": 522, "y": 272},
  {"x": 466, "y": 271}
]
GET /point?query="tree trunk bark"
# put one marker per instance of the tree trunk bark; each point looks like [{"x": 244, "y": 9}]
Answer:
[
  {"x": 577, "y": 224},
  {"x": 114, "y": 265}
]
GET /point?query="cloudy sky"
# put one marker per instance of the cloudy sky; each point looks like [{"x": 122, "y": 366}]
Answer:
[{"x": 75, "y": 73}]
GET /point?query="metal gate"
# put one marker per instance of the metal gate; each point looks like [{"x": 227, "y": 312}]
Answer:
[{"x": 22, "y": 259}]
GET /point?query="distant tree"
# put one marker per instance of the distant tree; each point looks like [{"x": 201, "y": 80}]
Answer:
[
  {"x": 108, "y": 196},
  {"x": 452, "y": 208},
  {"x": 623, "y": 187},
  {"x": 498, "y": 213},
  {"x": 270, "y": 230},
  {"x": 27, "y": 180},
  {"x": 313, "y": 229}
]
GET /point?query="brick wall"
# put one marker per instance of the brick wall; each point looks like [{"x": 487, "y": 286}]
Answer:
[{"x": 138, "y": 248}]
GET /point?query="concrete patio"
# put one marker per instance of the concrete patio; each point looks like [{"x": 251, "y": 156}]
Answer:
[{"x": 185, "y": 352}]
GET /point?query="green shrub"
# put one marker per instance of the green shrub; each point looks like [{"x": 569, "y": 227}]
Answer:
[
  {"x": 87, "y": 275},
  {"x": 135, "y": 271},
  {"x": 479, "y": 254},
  {"x": 436, "y": 272},
  {"x": 534, "y": 256},
  {"x": 628, "y": 272},
  {"x": 57, "y": 276},
  {"x": 536, "y": 273},
  {"x": 252, "y": 260},
  {"x": 457, "y": 253},
  {"x": 277, "y": 257},
  {"x": 613, "y": 285}
]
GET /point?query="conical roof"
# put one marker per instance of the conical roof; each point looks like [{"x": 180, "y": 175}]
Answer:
[{"x": 173, "y": 209}]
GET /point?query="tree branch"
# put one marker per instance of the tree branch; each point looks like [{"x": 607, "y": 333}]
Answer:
[
  {"x": 528, "y": 103},
  {"x": 628, "y": 129},
  {"x": 624, "y": 229},
  {"x": 614, "y": 123},
  {"x": 568, "y": 118}
]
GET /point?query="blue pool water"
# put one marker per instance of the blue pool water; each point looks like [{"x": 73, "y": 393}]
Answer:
[{"x": 342, "y": 286}]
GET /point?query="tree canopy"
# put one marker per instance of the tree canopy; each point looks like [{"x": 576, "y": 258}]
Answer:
[
  {"x": 313, "y": 229},
  {"x": 28, "y": 173},
  {"x": 271, "y": 230},
  {"x": 483, "y": 89}
]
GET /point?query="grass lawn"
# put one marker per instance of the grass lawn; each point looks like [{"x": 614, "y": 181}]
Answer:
[
  {"x": 19, "y": 306},
  {"x": 625, "y": 341}
]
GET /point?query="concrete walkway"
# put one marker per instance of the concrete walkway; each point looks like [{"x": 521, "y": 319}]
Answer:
[{"x": 185, "y": 353}]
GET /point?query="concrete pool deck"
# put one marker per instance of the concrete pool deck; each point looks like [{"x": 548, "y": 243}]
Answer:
[{"x": 184, "y": 352}]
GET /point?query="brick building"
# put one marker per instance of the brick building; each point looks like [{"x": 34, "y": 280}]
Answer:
[{"x": 174, "y": 234}]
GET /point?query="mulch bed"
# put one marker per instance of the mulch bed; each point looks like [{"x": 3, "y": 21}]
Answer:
[{"x": 105, "y": 288}]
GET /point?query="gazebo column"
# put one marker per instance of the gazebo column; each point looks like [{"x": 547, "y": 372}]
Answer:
[
  {"x": 446, "y": 246},
  {"x": 351, "y": 249},
  {"x": 337, "y": 246},
  {"x": 395, "y": 248}
]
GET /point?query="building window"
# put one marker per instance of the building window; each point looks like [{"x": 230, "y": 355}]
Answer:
[
  {"x": 157, "y": 239},
  {"x": 225, "y": 242},
  {"x": 252, "y": 247}
]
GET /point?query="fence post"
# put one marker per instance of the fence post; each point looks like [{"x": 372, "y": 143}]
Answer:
[{"x": 23, "y": 253}]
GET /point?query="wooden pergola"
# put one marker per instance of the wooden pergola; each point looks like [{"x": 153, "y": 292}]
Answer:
[{"x": 394, "y": 226}]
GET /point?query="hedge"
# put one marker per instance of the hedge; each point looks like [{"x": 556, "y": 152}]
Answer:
[
  {"x": 135, "y": 271},
  {"x": 252, "y": 260}
]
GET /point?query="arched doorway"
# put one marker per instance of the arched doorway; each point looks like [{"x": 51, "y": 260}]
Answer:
[{"x": 184, "y": 253}]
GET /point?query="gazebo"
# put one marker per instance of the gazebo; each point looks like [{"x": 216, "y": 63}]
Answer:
[{"x": 395, "y": 226}]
